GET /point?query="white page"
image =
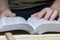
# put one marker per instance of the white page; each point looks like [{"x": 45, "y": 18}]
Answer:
[
  {"x": 24, "y": 27},
  {"x": 51, "y": 26},
  {"x": 41, "y": 25},
  {"x": 1, "y": 23},
  {"x": 13, "y": 20},
  {"x": 36, "y": 22},
  {"x": 15, "y": 23}
]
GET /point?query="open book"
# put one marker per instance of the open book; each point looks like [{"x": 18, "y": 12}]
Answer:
[{"x": 32, "y": 25}]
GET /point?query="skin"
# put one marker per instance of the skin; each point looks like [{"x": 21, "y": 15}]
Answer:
[
  {"x": 4, "y": 9},
  {"x": 49, "y": 13}
]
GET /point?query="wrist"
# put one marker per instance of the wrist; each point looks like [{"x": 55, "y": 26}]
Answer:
[
  {"x": 56, "y": 5},
  {"x": 3, "y": 9}
]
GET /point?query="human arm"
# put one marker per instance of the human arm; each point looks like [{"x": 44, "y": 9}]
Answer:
[{"x": 4, "y": 9}]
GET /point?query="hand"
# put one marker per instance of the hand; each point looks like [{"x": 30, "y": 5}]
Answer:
[
  {"x": 7, "y": 13},
  {"x": 46, "y": 13},
  {"x": 59, "y": 17}
]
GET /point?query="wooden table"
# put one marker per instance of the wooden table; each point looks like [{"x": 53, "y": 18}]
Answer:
[{"x": 9, "y": 36}]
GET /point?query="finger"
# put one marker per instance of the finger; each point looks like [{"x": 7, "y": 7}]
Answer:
[
  {"x": 59, "y": 17},
  {"x": 2, "y": 16},
  {"x": 11, "y": 15},
  {"x": 34, "y": 15},
  {"x": 48, "y": 14},
  {"x": 42, "y": 13},
  {"x": 54, "y": 15}
]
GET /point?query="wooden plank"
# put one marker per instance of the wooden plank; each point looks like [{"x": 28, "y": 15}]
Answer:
[
  {"x": 38, "y": 37},
  {"x": 2, "y": 37},
  {"x": 9, "y": 36}
]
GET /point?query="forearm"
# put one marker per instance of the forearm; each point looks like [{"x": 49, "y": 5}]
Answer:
[
  {"x": 56, "y": 5},
  {"x": 3, "y": 5}
]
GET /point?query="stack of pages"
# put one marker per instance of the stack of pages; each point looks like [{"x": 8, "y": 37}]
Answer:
[{"x": 32, "y": 25}]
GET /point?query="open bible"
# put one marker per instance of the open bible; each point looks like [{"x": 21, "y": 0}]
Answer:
[{"x": 32, "y": 25}]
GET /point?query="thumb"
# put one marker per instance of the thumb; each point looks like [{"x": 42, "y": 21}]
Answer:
[
  {"x": 13, "y": 15},
  {"x": 2, "y": 16}
]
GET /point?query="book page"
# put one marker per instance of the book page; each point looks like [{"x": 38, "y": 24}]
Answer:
[
  {"x": 15, "y": 23},
  {"x": 13, "y": 20},
  {"x": 1, "y": 23},
  {"x": 34, "y": 22},
  {"x": 41, "y": 25},
  {"x": 51, "y": 26}
]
